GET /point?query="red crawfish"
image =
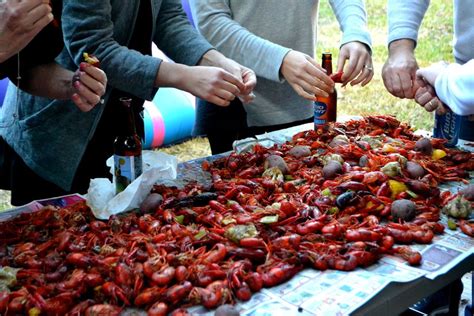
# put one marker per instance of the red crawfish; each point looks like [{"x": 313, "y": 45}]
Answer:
[{"x": 408, "y": 254}]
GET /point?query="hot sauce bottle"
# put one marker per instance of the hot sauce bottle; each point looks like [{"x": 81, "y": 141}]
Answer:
[
  {"x": 127, "y": 149},
  {"x": 325, "y": 108}
]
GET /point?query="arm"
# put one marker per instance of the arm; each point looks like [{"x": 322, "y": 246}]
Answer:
[
  {"x": 88, "y": 27},
  {"x": 214, "y": 20},
  {"x": 356, "y": 42},
  {"x": 453, "y": 84},
  {"x": 20, "y": 22},
  {"x": 399, "y": 71},
  {"x": 179, "y": 40}
]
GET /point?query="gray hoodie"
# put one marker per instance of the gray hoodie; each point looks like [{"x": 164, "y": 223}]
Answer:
[{"x": 259, "y": 33}]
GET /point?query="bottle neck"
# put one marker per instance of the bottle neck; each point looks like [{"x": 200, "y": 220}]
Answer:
[
  {"x": 128, "y": 127},
  {"x": 327, "y": 63}
]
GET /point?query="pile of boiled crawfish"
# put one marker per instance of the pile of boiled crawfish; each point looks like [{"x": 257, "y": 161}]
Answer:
[{"x": 268, "y": 214}]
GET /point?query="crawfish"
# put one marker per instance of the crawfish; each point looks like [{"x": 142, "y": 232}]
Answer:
[
  {"x": 103, "y": 309},
  {"x": 164, "y": 276},
  {"x": 236, "y": 276},
  {"x": 411, "y": 256},
  {"x": 347, "y": 262},
  {"x": 310, "y": 226},
  {"x": 287, "y": 242},
  {"x": 178, "y": 292},
  {"x": 400, "y": 233},
  {"x": 60, "y": 304},
  {"x": 364, "y": 258},
  {"x": 466, "y": 227},
  {"x": 81, "y": 308},
  {"x": 216, "y": 254},
  {"x": 254, "y": 255},
  {"x": 277, "y": 274},
  {"x": 362, "y": 234},
  {"x": 333, "y": 230},
  {"x": 148, "y": 296},
  {"x": 115, "y": 292},
  {"x": 219, "y": 294},
  {"x": 158, "y": 309}
]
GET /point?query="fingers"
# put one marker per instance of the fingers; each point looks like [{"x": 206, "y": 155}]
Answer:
[
  {"x": 359, "y": 69},
  {"x": 441, "y": 110},
  {"x": 25, "y": 6},
  {"x": 426, "y": 97},
  {"x": 402, "y": 85},
  {"x": 230, "y": 78},
  {"x": 38, "y": 13},
  {"x": 247, "y": 98},
  {"x": 94, "y": 78},
  {"x": 83, "y": 105},
  {"x": 89, "y": 86},
  {"x": 365, "y": 76},
  {"x": 341, "y": 61},
  {"x": 250, "y": 81},
  {"x": 398, "y": 74}
]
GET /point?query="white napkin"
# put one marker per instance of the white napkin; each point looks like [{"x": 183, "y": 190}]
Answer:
[{"x": 101, "y": 196}]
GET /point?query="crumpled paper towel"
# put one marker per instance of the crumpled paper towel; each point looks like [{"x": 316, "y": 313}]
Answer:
[{"x": 101, "y": 196}]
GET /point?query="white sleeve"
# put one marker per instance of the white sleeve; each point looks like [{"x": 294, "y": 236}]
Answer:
[{"x": 455, "y": 87}]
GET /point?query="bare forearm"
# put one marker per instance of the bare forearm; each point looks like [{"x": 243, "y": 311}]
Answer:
[
  {"x": 171, "y": 75},
  {"x": 50, "y": 81}
]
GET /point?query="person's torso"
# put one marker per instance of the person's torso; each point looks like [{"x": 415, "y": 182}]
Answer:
[
  {"x": 291, "y": 24},
  {"x": 463, "y": 30},
  {"x": 288, "y": 23}
]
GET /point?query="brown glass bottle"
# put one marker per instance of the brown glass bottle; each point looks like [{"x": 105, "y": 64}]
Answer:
[
  {"x": 127, "y": 149},
  {"x": 325, "y": 108}
]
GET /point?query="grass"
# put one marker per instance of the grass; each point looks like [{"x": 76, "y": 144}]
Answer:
[{"x": 434, "y": 44}]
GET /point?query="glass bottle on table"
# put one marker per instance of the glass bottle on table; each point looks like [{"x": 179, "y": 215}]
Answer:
[
  {"x": 127, "y": 149},
  {"x": 325, "y": 108}
]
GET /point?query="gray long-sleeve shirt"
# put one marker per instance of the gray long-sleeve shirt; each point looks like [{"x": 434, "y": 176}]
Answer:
[
  {"x": 405, "y": 16},
  {"x": 259, "y": 34}
]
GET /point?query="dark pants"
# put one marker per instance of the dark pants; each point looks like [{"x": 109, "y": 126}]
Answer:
[
  {"x": 224, "y": 125},
  {"x": 26, "y": 185}
]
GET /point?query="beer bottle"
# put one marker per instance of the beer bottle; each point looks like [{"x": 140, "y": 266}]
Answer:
[
  {"x": 127, "y": 149},
  {"x": 325, "y": 108}
]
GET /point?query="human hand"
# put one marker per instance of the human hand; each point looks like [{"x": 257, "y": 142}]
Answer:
[
  {"x": 89, "y": 84},
  {"x": 399, "y": 71},
  {"x": 425, "y": 96},
  {"x": 212, "y": 84},
  {"x": 20, "y": 22},
  {"x": 430, "y": 73},
  {"x": 250, "y": 81},
  {"x": 305, "y": 76},
  {"x": 360, "y": 68},
  {"x": 244, "y": 74}
]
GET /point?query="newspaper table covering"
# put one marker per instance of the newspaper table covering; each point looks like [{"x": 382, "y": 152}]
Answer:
[{"x": 313, "y": 292}]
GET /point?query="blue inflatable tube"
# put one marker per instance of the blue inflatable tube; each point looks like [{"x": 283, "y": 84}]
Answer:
[
  {"x": 3, "y": 90},
  {"x": 169, "y": 118}
]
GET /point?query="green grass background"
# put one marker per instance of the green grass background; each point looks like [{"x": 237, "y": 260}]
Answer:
[{"x": 434, "y": 44}]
